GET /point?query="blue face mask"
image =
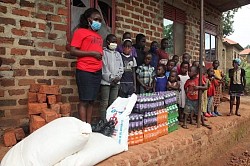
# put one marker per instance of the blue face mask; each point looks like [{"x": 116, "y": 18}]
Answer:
[{"x": 95, "y": 26}]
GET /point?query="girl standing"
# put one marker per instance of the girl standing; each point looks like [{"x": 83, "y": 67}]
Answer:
[
  {"x": 218, "y": 90},
  {"x": 183, "y": 78},
  {"x": 160, "y": 81},
  {"x": 237, "y": 85},
  {"x": 86, "y": 45}
]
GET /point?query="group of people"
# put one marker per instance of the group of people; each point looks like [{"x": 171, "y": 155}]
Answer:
[{"x": 121, "y": 70}]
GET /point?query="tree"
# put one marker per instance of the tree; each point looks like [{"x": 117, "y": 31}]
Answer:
[
  {"x": 248, "y": 46},
  {"x": 228, "y": 20}
]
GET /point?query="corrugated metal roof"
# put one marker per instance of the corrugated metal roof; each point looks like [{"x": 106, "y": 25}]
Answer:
[
  {"x": 245, "y": 52},
  {"x": 231, "y": 42},
  {"x": 224, "y": 5}
]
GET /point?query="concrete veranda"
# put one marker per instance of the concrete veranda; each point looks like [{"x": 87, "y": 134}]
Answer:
[{"x": 186, "y": 146}]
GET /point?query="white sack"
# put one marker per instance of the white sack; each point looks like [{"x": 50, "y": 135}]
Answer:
[
  {"x": 119, "y": 111},
  {"x": 98, "y": 148},
  {"x": 49, "y": 144}
]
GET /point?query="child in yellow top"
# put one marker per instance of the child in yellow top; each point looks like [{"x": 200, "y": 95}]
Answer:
[{"x": 218, "y": 74}]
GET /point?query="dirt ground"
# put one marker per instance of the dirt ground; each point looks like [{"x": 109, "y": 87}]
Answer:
[{"x": 239, "y": 155}]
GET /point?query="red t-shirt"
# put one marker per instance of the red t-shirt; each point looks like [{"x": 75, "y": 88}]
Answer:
[
  {"x": 88, "y": 40},
  {"x": 189, "y": 86},
  {"x": 162, "y": 54},
  {"x": 211, "y": 88}
]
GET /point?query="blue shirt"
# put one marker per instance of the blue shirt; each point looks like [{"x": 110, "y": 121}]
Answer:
[{"x": 161, "y": 84}]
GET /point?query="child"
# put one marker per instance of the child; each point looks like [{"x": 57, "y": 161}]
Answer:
[
  {"x": 173, "y": 83},
  {"x": 211, "y": 92},
  {"x": 185, "y": 58},
  {"x": 170, "y": 66},
  {"x": 128, "y": 80},
  {"x": 160, "y": 81},
  {"x": 176, "y": 60},
  {"x": 163, "y": 55},
  {"x": 196, "y": 63},
  {"x": 183, "y": 78},
  {"x": 218, "y": 90},
  {"x": 204, "y": 93},
  {"x": 125, "y": 36},
  {"x": 86, "y": 45},
  {"x": 191, "y": 89},
  {"x": 155, "y": 58},
  {"x": 112, "y": 71},
  {"x": 237, "y": 85},
  {"x": 145, "y": 74}
]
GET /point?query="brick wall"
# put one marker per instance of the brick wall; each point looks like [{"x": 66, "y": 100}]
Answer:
[
  {"x": 192, "y": 26},
  {"x": 140, "y": 16},
  {"x": 33, "y": 39}
]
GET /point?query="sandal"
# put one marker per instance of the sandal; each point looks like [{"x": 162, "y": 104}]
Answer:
[
  {"x": 238, "y": 114},
  {"x": 229, "y": 114},
  {"x": 207, "y": 126},
  {"x": 184, "y": 126}
]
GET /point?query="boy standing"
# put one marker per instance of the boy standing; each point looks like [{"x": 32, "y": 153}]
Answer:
[{"x": 112, "y": 71}]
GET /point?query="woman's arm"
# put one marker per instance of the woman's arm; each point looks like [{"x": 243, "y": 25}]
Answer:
[{"x": 79, "y": 53}]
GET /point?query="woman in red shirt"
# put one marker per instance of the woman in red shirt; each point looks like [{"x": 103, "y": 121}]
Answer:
[{"x": 86, "y": 45}]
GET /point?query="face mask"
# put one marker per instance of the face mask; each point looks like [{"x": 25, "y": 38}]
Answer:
[
  {"x": 112, "y": 46},
  {"x": 95, "y": 26},
  {"x": 126, "y": 50}
]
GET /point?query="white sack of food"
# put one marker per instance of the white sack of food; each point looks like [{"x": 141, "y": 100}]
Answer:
[
  {"x": 98, "y": 148},
  {"x": 119, "y": 111},
  {"x": 49, "y": 144}
]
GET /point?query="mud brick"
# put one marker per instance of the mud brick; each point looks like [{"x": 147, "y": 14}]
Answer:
[
  {"x": 9, "y": 138},
  {"x": 19, "y": 134},
  {"x": 49, "y": 115},
  {"x": 35, "y": 87},
  {"x": 51, "y": 99},
  {"x": 49, "y": 89},
  {"x": 65, "y": 108},
  {"x": 36, "y": 108},
  {"x": 32, "y": 97},
  {"x": 41, "y": 97},
  {"x": 65, "y": 115},
  {"x": 56, "y": 107},
  {"x": 59, "y": 98}
]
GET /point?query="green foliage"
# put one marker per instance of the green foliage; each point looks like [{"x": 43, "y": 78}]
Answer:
[
  {"x": 228, "y": 20},
  {"x": 168, "y": 32},
  {"x": 248, "y": 46}
]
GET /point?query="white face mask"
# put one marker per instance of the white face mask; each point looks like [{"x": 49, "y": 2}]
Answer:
[{"x": 112, "y": 46}]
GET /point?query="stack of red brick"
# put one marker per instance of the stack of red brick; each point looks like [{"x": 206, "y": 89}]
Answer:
[
  {"x": 11, "y": 136},
  {"x": 45, "y": 105}
]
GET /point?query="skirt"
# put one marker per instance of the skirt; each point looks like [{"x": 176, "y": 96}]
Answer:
[
  {"x": 88, "y": 84},
  {"x": 236, "y": 90},
  {"x": 217, "y": 96}
]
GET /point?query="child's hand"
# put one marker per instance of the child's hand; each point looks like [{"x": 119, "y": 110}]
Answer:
[
  {"x": 116, "y": 80},
  {"x": 196, "y": 87},
  {"x": 134, "y": 89}
]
